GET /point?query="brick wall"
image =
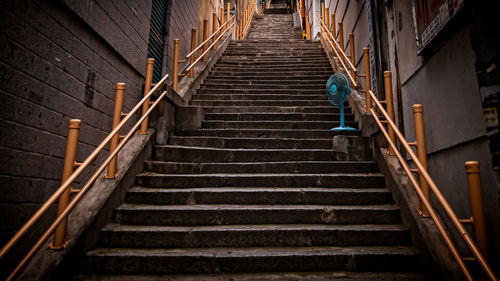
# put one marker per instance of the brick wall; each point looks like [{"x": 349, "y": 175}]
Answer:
[{"x": 60, "y": 60}]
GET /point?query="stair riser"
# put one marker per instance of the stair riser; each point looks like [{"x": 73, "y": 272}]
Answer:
[
  {"x": 251, "y": 238},
  {"x": 279, "y": 86},
  {"x": 271, "y": 197},
  {"x": 261, "y": 102},
  {"x": 261, "y": 180},
  {"x": 276, "y": 109},
  {"x": 277, "y": 117},
  {"x": 252, "y": 143},
  {"x": 305, "y": 134},
  {"x": 271, "y": 73},
  {"x": 326, "y": 125},
  {"x": 179, "y": 217}
]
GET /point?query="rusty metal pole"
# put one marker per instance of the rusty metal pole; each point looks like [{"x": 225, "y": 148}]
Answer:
[
  {"x": 175, "y": 66},
  {"x": 147, "y": 87},
  {"x": 323, "y": 11},
  {"x": 237, "y": 32},
  {"x": 476, "y": 206},
  {"x": 390, "y": 107},
  {"x": 418, "y": 118},
  {"x": 352, "y": 53},
  {"x": 205, "y": 37},
  {"x": 341, "y": 35},
  {"x": 192, "y": 58},
  {"x": 366, "y": 62},
  {"x": 308, "y": 29},
  {"x": 60, "y": 241},
  {"x": 117, "y": 117},
  {"x": 333, "y": 26},
  {"x": 214, "y": 29},
  {"x": 228, "y": 10}
]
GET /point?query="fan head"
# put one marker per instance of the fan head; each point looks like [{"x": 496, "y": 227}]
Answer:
[{"x": 337, "y": 89}]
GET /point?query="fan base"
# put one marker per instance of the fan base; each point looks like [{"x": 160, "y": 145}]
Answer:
[{"x": 341, "y": 128}]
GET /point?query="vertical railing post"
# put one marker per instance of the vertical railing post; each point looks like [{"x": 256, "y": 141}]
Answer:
[
  {"x": 241, "y": 28},
  {"x": 323, "y": 11},
  {"x": 222, "y": 18},
  {"x": 341, "y": 36},
  {"x": 147, "y": 87},
  {"x": 390, "y": 107},
  {"x": 192, "y": 58},
  {"x": 117, "y": 117},
  {"x": 476, "y": 206},
  {"x": 418, "y": 118},
  {"x": 237, "y": 32},
  {"x": 228, "y": 10},
  {"x": 327, "y": 19},
  {"x": 60, "y": 241},
  {"x": 334, "y": 31},
  {"x": 368, "y": 85},
  {"x": 205, "y": 37},
  {"x": 352, "y": 53},
  {"x": 214, "y": 29},
  {"x": 175, "y": 66},
  {"x": 308, "y": 29}
]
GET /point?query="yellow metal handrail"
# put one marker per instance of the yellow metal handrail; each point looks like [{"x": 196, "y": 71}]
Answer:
[
  {"x": 67, "y": 183},
  {"x": 422, "y": 171},
  {"x": 299, "y": 11},
  {"x": 249, "y": 12}
]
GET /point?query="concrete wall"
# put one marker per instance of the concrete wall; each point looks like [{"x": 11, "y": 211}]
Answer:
[
  {"x": 60, "y": 60},
  {"x": 444, "y": 81}
]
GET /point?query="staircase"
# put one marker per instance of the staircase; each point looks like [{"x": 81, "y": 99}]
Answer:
[
  {"x": 258, "y": 193},
  {"x": 277, "y": 7}
]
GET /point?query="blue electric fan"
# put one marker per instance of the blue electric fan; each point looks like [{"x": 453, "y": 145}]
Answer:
[{"x": 337, "y": 91}]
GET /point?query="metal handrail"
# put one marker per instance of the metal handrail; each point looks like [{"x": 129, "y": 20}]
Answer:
[
  {"x": 439, "y": 196},
  {"x": 299, "y": 9},
  {"x": 251, "y": 8},
  {"x": 210, "y": 38},
  {"x": 64, "y": 186}
]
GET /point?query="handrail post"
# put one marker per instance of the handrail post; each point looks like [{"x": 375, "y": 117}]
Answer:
[
  {"x": 192, "y": 58},
  {"x": 327, "y": 19},
  {"x": 418, "y": 118},
  {"x": 476, "y": 206},
  {"x": 228, "y": 10},
  {"x": 334, "y": 31},
  {"x": 323, "y": 11},
  {"x": 237, "y": 35},
  {"x": 117, "y": 117},
  {"x": 60, "y": 240},
  {"x": 390, "y": 107},
  {"x": 352, "y": 53},
  {"x": 175, "y": 66},
  {"x": 341, "y": 36},
  {"x": 308, "y": 29},
  {"x": 205, "y": 37},
  {"x": 222, "y": 18},
  {"x": 368, "y": 85},
  {"x": 147, "y": 87},
  {"x": 214, "y": 29}
]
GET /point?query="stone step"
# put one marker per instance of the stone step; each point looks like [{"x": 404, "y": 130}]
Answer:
[
  {"x": 263, "y": 91},
  {"x": 281, "y": 77},
  {"x": 278, "y": 49},
  {"x": 270, "y": 73},
  {"x": 267, "y": 259},
  {"x": 276, "y": 276},
  {"x": 277, "y": 60},
  {"x": 343, "y": 180},
  {"x": 283, "y": 52},
  {"x": 219, "y": 124},
  {"x": 220, "y": 214},
  {"x": 271, "y": 133},
  {"x": 263, "y": 81},
  {"x": 273, "y": 235},
  {"x": 291, "y": 64},
  {"x": 260, "y": 102},
  {"x": 266, "y": 143},
  {"x": 259, "y": 196},
  {"x": 279, "y": 85},
  {"x": 277, "y": 116},
  {"x": 201, "y": 154},
  {"x": 248, "y": 97},
  {"x": 276, "y": 109}
]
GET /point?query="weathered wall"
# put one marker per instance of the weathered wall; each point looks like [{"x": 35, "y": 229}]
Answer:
[{"x": 60, "y": 60}]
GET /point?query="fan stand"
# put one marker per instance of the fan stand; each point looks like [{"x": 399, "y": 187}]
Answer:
[{"x": 342, "y": 126}]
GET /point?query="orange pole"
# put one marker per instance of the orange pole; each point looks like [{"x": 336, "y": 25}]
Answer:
[
  {"x": 147, "y": 88},
  {"x": 477, "y": 206},
  {"x": 228, "y": 10},
  {"x": 193, "y": 46},
  {"x": 222, "y": 17},
  {"x": 308, "y": 29},
  {"x": 352, "y": 53},
  {"x": 117, "y": 117},
  {"x": 368, "y": 85},
  {"x": 60, "y": 240},
  {"x": 327, "y": 18},
  {"x": 214, "y": 29},
  {"x": 341, "y": 35},
  {"x": 237, "y": 32},
  {"x": 333, "y": 26},
  {"x": 390, "y": 107},
  {"x": 323, "y": 12},
  {"x": 205, "y": 37},
  {"x": 418, "y": 118},
  {"x": 175, "y": 66}
]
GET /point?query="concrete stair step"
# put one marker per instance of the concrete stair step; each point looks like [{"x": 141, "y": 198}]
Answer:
[
  {"x": 257, "y": 78},
  {"x": 266, "y": 143},
  {"x": 269, "y": 81},
  {"x": 283, "y": 52},
  {"x": 293, "y": 65},
  {"x": 218, "y": 124},
  {"x": 277, "y": 60},
  {"x": 271, "y": 73},
  {"x": 276, "y": 276},
  {"x": 281, "y": 85},
  {"x": 216, "y": 260},
  {"x": 259, "y": 196},
  {"x": 351, "y": 180},
  {"x": 260, "y": 102},
  {"x": 220, "y": 214},
  {"x": 273, "y": 235},
  {"x": 260, "y": 167},
  {"x": 202, "y": 154},
  {"x": 283, "y": 116},
  {"x": 278, "y": 109},
  {"x": 264, "y": 91},
  {"x": 271, "y": 133}
]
